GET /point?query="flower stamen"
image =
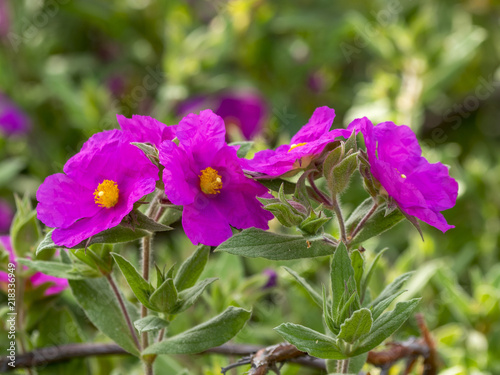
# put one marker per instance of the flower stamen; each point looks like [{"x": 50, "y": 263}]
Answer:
[
  {"x": 295, "y": 145},
  {"x": 106, "y": 194},
  {"x": 210, "y": 181}
]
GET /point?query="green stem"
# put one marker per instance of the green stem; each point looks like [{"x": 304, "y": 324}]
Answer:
[
  {"x": 345, "y": 366},
  {"x": 340, "y": 218},
  {"x": 146, "y": 250},
  {"x": 124, "y": 310}
]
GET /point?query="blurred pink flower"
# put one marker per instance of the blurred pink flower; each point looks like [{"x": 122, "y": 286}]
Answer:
[
  {"x": 245, "y": 110},
  {"x": 57, "y": 284},
  {"x": 12, "y": 119}
]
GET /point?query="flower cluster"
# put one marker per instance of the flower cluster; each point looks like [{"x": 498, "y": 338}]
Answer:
[{"x": 204, "y": 175}]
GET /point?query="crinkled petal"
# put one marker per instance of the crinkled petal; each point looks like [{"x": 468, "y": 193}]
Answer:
[
  {"x": 204, "y": 224},
  {"x": 146, "y": 129},
  {"x": 319, "y": 124},
  {"x": 179, "y": 179},
  {"x": 85, "y": 228},
  {"x": 431, "y": 217},
  {"x": 202, "y": 134},
  {"x": 62, "y": 201}
]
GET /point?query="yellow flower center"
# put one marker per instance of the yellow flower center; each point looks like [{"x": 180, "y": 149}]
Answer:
[
  {"x": 210, "y": 181},
  {"x": 106, "y": 194},
  {"x": 295, "y": 145},
  {"x": 403, "y": 175}
]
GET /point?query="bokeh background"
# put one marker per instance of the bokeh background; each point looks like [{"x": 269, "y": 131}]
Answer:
[{"x": 67, "y": 67}]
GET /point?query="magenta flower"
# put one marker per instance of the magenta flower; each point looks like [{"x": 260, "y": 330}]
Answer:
[
  {"x": 308, "y": 143},
  {"x": 13, "y": 121},
  {"x": 146, "y": 129},
  {"x": 57, "y": 284},
  {"x": 204, "y": 175},
  {"x": 419, "y": 188},
  {"x": 99, "y": 188}
]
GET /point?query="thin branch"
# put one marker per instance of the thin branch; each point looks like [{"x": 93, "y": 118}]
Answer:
[
  {"x": 260, "y": 358},
  {"x": 363, "y": 221},
  {"x": 55, "y": 354},
  {"x": 124, "y": 310},
  {"x": 320, "y": 196}
]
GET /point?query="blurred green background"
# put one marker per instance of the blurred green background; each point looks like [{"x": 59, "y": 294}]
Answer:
[{"x": 72, "y": 65}]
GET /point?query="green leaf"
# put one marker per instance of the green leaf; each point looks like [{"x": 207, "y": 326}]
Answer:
[
  {"x": 310, "y": 290},
  {"x": 244, "y": 147},
  {"x": 310, "y": 341},
  {"x": 386, "y": 325},
  {"x": 275, "y": 184},
  {"x": 143, "y": 222},
  {"x": 311, "y": 226},
  {"x": 65, "y": 271},
  {"x": 24, "y": 231},
  {"x": 341, "y": 174},
  {"x": 357, "y": 264},
  {"x": 150, "y": 323},
  {"x": 214, "y": 332},
  {"x": 101, "y": 306},
  {"x": 366, "y": 279},
  {"x": 327, "y": 313},
  {"x": 380, "y": 307},
  {"x": 46, "y": 243},
  {"x": 254, "y": 243},
  {"x": 191, "y": 268},
  {"x": 341, "y": 272},
  {"x": 356, "y": 326},
  {"x": 189, "y": 296},
  {"x": 392, "y": 288},
  {"x": 375, "y": 225},
  {"x": 141, "y": 288},
  {"x": 332, "y": 160},
  {"x": 171, "y": 215},
  {"x": 165, "y": 297}
]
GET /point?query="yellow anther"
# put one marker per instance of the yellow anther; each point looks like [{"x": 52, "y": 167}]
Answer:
[
  {"x": 403, "y": 175},
  {"x": 295, "y": 145},
  {"x": 210, "y": 181},
  {"x": 106, "y": 194}
]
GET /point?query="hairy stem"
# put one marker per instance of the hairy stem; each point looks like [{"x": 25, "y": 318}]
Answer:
[
  {"x": 124, "y": 310},
  {"x": 340, "y": 218},
  {"x": 320, "y": 196},
  {"x": 146, "y": 250},
  {"x": 363, "y": 221},
  {"x": 345, "y": 366}
]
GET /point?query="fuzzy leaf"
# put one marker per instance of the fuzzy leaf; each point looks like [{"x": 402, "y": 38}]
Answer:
[
  {"x": 356, "y": 326},
  {"x": 101, "y": 306},
  {"x": 139, "y": 286},
  {"x": 150, "y": 323},
  {"x": 310, "y": 341},
  {"x": 164, "y": 298},
  {"x": 386, "y": 325},
  {"x": 191, "y": 269},
  {"x": 214, "y": 332},
  {"x": 341, "y": 272},
  {"x": 254, "y": 243}
]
